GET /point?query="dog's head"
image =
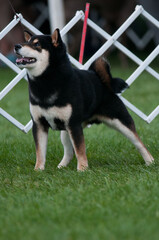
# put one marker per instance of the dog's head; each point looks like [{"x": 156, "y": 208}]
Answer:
[{"x": 36, "y": 52}]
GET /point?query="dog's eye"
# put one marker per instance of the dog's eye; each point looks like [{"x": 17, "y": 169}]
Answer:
[{"x": 37, "y": 44}]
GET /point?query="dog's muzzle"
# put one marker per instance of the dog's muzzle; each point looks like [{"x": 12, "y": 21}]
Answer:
[{"x": 22, "y": 60}]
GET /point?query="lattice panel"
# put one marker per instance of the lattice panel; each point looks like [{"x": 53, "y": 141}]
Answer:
[{"x": 111, "y": 40}]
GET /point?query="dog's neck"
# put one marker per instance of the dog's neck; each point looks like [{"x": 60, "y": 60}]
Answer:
[
  {"x": 48, "y": 66},
  {"x": 51, "y": 80}
]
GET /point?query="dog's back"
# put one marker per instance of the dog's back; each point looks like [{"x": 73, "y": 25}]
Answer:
[{"x": 95, "y": 85}]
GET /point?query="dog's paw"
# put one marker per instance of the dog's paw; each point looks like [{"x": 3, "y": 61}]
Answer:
[
  {"x": 39, "y": 168},
  {"x": 149, "y": 161},
  {"x": 64, "y": 162},
  {"x": 82, "y": 168},
  {"x": 61, "y": 166}
]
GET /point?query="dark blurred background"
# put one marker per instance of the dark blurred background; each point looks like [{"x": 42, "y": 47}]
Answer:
[{"x": 141, "y": 37}]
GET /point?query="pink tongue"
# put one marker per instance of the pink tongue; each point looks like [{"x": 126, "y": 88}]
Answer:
[{"x": 22, "y": 59}]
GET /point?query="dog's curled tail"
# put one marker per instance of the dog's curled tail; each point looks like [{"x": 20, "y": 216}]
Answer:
[{"x": 102, "y": 69}]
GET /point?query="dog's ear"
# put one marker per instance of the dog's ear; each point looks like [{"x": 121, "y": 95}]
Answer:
[
  {"x": 27, "y": 35},
  {"x": 56, "y": 38}
]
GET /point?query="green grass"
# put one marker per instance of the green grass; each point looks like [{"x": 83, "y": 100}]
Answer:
[{"x": 117, "y": 198}]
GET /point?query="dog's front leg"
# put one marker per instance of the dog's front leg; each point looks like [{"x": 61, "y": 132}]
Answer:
[
  {"x": 68, "y": 149},
  {"x": 77, "y": 139},
  {"x": 40, "y": 134}
]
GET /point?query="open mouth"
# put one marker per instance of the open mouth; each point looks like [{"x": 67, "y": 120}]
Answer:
[{"x": 25, "y": 60}]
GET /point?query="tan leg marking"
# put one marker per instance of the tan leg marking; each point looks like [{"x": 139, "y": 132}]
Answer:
[
  {"x": 80, "y": 150},
  {"x": 131, "y": 135},
  {"x": 41, "y": 146}
]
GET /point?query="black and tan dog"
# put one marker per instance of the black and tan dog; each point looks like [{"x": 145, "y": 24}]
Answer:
[{"x": 67, "y": 99}]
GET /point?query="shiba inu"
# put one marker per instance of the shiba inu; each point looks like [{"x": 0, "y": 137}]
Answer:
[{"x": 67, "y": 99}]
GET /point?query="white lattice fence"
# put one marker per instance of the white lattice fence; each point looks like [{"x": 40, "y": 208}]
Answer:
[{"x": 111, "y": 40}]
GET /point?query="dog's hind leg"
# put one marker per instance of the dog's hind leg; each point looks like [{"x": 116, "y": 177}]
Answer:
[
  {"x": 77, "y": 139},
  {"x": 68, "y": 149},
  {"x": 40, "y": 135},
  {"x": 130, "y": 132}
]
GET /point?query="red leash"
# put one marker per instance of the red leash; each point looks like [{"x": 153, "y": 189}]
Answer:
[{"x": 84, "y": 33}]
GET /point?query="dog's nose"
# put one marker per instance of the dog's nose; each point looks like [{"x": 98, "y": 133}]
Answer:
[{"x": 17, "y": 47}]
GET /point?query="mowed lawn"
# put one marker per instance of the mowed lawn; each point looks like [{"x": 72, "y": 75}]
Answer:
[{"x": 117, "y": 198}]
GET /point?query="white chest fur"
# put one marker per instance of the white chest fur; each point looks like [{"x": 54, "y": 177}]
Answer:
[{"x": 61, "y": 113}]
